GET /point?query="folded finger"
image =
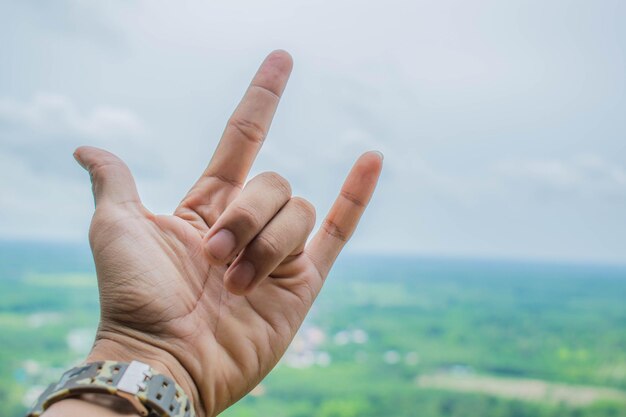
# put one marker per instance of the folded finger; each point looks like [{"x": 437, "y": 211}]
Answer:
[
  {"x": 285, "y": 235},
  {"x": 246, "y": 216}
]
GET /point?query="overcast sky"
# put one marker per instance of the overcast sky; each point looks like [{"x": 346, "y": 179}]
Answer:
[{"x": 502, "y": 122}]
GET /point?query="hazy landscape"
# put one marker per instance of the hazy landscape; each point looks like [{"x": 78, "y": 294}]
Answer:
[{"x": 388, "y": 336}]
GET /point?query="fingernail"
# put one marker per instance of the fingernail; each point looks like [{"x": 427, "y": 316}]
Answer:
[
  {"x": 380, "y": 154},
  {"x": 241, "y": 276},
  {"x": 221, "y": 245},
  {"x": 77, "y": 158}
]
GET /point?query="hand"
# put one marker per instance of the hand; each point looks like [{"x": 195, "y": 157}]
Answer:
[{"x": 213, "y": 294}]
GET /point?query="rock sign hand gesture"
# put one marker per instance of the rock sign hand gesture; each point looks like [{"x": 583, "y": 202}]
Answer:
[{"x": 213, "y": 294}]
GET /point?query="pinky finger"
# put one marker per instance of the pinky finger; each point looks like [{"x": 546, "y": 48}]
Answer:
[{"x": 343, "y": 217}]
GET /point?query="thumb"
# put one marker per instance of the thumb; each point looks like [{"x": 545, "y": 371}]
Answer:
[{"x": 112, "y": 182}]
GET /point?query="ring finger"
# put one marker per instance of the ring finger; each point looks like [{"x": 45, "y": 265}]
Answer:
[
  {"x": 285, "y": 235},
  {"x": 246, "y": 216}
]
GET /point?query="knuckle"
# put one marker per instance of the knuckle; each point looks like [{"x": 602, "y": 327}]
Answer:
[
  {"x": 105, "y": 169},
  {"x": 266, "y": 246},
  {"x": 106, "y": 223},
  {"x": 352, "y": 198},
  {"x": 334, "y": 230},
  {"x": 247, "y": 217},
  {"x": 306, "y": 209},
  {"x": 266, "y": 91},
  {"x": 276, "y": 181},
  {"x": 103, "y": 218},
  {"x": 250, "y": 130},
  {"x": 305, "y": 293}
]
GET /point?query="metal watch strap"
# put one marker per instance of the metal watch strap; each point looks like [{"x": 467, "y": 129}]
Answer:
[{"x": 152, "y": 394}]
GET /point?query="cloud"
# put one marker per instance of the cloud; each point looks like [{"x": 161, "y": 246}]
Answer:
[
  {"x": 53, "y": 113},
  {"x": 580, "y": 175},
  {"x": 63, "y": 204},
  {"x": 37, "y": 138},
  {"x": 44, "y": 131},
  {"x": 444, "y": 90}
]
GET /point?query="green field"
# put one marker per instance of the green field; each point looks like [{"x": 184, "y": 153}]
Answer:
[{"x": 387, "y": 337}]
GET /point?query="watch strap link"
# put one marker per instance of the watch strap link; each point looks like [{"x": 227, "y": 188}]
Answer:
[{"x": 152, "y": 394}]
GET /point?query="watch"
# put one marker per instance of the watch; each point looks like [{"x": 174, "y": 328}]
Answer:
[{"x": 150, "y": 393}]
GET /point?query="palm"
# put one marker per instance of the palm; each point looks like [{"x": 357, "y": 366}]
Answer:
[
  {"x": 184, "y": 298},
  {"x": 158, "y": 285}
]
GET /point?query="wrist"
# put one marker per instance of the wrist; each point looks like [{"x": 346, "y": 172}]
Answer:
[
  {"x": 110, "y": 345},
  {"x": 104, "y": 406}
]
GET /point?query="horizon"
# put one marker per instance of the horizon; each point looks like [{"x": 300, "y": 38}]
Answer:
[{"x": 349, "y": 255}]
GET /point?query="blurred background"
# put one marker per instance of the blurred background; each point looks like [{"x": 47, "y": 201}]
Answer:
[{"x": 486, "y": 279}]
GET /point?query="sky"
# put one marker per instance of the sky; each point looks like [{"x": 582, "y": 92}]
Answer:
[{"x": 502, "y": 123}]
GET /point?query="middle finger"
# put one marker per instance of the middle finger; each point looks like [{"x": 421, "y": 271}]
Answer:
[
  {"x": 246, "y": 216},
  {"x": 245, "y": 131}
]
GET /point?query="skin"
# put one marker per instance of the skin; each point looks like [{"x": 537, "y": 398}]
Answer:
[{"x": 213, "y": 294}]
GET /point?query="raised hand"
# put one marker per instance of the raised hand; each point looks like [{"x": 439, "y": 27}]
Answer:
[{"x": 213, "y": 294}]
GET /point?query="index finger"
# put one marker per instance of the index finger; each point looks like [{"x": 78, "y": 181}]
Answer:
[
  {"x": 343, "y": 217},
  {"x": 248, "y": 126}
]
